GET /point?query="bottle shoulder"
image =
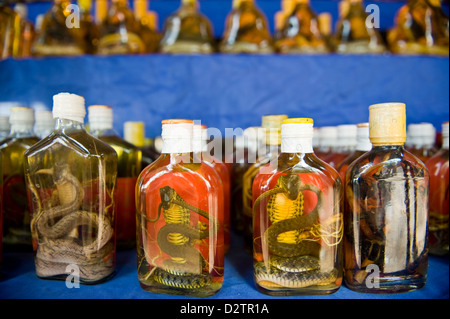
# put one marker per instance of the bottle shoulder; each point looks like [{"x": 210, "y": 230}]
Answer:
[
  {"x": 79, "y": 142},
  {"x": 385, "y": 164}
]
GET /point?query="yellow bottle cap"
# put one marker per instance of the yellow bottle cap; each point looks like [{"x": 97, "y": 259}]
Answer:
[
  {"x": 272, "y": 125},
  {"x": 134, "y": 133},
  {"x": 387, "y": 123},
  {"x": 299, "y": 120}
]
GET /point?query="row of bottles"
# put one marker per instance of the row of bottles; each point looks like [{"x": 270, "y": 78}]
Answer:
[
  {"x": 421, "y": 27},
  {"x": 71, "y": 195}
]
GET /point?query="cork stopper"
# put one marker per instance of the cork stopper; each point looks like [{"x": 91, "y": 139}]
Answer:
[
  {"x": 387, "y": 124},
  {"x": 272, "y": 125}
]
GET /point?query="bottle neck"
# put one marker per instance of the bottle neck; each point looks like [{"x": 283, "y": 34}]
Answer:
[
  {"x": 102, "y": 132},
  {"x": 21, "y": 130},
  {"x": 296, "y": 145},
  {"x": 65, "y": 125}
]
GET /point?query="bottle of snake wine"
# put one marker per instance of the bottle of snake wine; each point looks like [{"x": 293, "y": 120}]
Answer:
[
  {"x": 71, "y": 177},
  {"x": 129, "y": 159},
  {"x": 178, "y": 219},
  {"x": 386, "y": 210},
  {"x": 16, "y": 211},
  {"x": 200, "y": 149},
  {"x": 272, "y": 126},
  {"x": 438, "y": 166},
  {"x": 297, "y": 219}
]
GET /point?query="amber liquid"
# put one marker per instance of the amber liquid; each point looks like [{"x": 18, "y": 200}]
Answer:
[
  {"x": 16, "y": 213},
  {"x": 187, "y": 31},
  {"x": 69, "y": 153},
  {"x": 386, "y": 222},
  {"x": 300, "y": 32},
  {"x": 176, "y": 193},
  {"x": 323, "y": 236},
  {"x": 438, "y": 167},
  {"x": 128, "y": 169},
  {"x": 246, "y": 31}
]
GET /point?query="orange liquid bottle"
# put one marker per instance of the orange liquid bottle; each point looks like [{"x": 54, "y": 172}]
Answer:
[
  {"x": 179, "y": 228},
  {"x": 298, "y": 219},
  {"x": 438, "y": 167}
]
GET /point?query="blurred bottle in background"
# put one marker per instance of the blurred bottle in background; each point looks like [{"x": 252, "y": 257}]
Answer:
[{"x": 246, "y": 30}]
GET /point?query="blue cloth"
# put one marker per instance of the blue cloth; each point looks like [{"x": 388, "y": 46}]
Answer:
[
  {"x": 19, "y": 281},
  {"x": 225, "y": 91}
]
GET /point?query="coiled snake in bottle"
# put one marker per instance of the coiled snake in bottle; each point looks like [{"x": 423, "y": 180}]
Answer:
[
  {"x": 56, "y": 230},
  {"x": 176, "y": 238},
  {"x": 294, "y": 260}
]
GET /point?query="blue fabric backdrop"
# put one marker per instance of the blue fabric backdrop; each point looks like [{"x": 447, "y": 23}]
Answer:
[{"x": 235, "y": 91}]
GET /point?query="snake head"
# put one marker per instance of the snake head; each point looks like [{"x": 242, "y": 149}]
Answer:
[
  {"x": 290, "y": 184},
  {"x": 167, "y": 195},
  {"x": 60, "y": 172}
]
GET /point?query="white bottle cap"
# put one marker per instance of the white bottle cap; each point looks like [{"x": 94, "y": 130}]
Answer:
[
  {"x": 4, "y": 123},
  {"x": 177, "y": 136},
  {"x": 421, "y": 134},
  {"x": 297, "y": 135},
  {"x": 44, "y": 117},
  {"x": 100, "y": 117},
  {"x": 21, "y": 115},
  {"x": 362, "y": 136},
  {"x": 445, "y": 137},
  {"x": 69, "y": 106},
  {"x": 347, "y": 135},
  {"x": 199, "y": 138},
  {"x": 328, "y": 136}
]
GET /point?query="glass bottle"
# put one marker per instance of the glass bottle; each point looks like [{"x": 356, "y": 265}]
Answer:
[
  {"x": 353, "y": 35},
  {"x": 438, "y": 166},
  {"x": 200, "y": 150},
  {"x": 119, "y": 32},
  {"x": 187, "y": 31},
  {"x": 1, "y": 212},
  {"x": 420, "y": 140},
  {"x": 280, "y": 16},
  {"x": 327, "y": 141},
  {"x": 88, "y": 26},
  {"x": 16, "y": 213},
  {"x": 101, "y": 11},
  {"x": 421, "y": 27},
  {"x": 8, "y": 23},
  {"x": 4, "y": 127},
  {"x": 246, "y": 30},
  {"x": 386, "y": 210},
  {"x": 178, "y": 223},
  {"x": 148, "y": 25},
  {"x": 60, "y": 32},
  {"x": 71, "y": 177},
  {"x": 363, "y": 145},
  {"x": 24, "y": 33},
  {"x": 301, "y": 32},
  {"x": 298, "y": 219},
  {"x": 272, "y": 126},
  {"x": 44, "y": 123},
  {"x": 243, "y": 155},
  {"x": 128, "y": 169},
  {"x": 346, "y": 144},
  {"x": 134, "y": 133}
]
